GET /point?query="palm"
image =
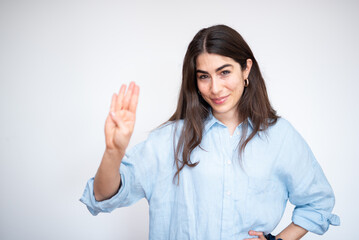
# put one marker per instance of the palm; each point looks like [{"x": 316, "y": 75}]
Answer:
[
  {"x": 120, "y": 133},
  {"x": 120, "y": 125}
]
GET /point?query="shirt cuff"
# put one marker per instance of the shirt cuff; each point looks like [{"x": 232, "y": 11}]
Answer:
[
  {"x": 108, "y": 205},
  {"x": 314, "y": 221}
]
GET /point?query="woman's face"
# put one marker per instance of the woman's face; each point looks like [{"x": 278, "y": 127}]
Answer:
[{"x": 220, "y": 81}]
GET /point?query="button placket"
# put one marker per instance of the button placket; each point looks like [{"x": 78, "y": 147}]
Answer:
[
  {"x": 228, "y": 202},
  {"x": 227, "y": 153}
]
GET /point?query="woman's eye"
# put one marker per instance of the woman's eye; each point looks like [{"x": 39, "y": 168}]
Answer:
[{"x": 203, "y": 76}]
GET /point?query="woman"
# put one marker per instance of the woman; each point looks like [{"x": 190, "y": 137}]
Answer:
[{"x": 224, "y": 165}]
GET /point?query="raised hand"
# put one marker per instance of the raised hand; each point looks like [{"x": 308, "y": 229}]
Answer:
[{"x": 121, "y": 119}]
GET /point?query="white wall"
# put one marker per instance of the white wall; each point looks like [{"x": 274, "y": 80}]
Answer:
[{"x": 60, "y": 62}]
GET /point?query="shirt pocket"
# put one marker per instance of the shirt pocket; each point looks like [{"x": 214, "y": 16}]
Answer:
[
  {"x": 263, "y": 203},
  {"x": 260, "y": 186}
]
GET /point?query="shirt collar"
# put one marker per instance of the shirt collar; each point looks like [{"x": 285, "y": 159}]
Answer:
[
  {"x": 212, "y": 120},
  {"x": 209, "y": 122}
]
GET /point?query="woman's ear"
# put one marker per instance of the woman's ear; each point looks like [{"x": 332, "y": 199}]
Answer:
[{"x": 248, "y": 68}]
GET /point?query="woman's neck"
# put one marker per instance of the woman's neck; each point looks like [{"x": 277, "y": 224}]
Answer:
[{"x": 230, "y": 120}]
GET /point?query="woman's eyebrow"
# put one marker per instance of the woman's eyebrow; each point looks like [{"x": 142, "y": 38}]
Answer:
[
  {"x": 225, "y": 65},
  {"x": 218, "y": 69}
]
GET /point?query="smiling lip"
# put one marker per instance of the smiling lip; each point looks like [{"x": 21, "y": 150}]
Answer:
[{"x": 219, "y": 100}]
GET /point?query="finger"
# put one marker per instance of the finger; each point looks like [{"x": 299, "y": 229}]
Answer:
[
  {"x": 119, "y": 103},
  {"x": 109, "y": 124},
  {"x": 113, "y": 103},
  {"x": 134, "y": 99},
  {"x": 127, "y": 98},
  {"x": 255, "y": 233}
]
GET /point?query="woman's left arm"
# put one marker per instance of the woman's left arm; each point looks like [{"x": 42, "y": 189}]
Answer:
[{"x": 308, "y": 189}]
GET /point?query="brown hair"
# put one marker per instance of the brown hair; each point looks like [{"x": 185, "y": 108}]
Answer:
[{"x": 194, "y": 110}]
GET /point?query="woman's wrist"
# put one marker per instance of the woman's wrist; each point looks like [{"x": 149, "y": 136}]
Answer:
[{"x": 113, "y": 155}]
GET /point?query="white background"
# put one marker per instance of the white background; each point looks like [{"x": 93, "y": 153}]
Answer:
[{"x": 60, "y": 62}]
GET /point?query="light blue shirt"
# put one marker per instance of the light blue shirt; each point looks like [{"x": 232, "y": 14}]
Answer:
[{"x": 219, "y": 198}]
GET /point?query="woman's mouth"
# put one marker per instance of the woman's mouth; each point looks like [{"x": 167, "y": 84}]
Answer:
[{"x": 219, "y": 100}]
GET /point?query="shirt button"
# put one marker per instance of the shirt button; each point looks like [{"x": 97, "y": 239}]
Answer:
[
  {"x": 229, "y": 193},
  {"x": 237, "y": 133},
  {"x": 229, "y": 162}
]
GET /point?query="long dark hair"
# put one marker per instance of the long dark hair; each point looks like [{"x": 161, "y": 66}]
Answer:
[{"x": 193, "y": 109}]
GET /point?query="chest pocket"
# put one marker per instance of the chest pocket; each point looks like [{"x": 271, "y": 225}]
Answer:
[
  {"x": 263, "y": 202},
  {"x": 260, "y": 186}
]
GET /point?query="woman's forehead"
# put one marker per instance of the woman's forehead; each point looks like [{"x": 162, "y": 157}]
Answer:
[{"x": 211, "y": 61}]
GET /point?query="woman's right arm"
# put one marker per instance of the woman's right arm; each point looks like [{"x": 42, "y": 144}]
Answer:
[{"x": 119, "y": 127}]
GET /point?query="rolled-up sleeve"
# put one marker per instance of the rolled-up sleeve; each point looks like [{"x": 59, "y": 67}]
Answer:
[
  {"x": 308, "y": 188},
  {"x": 132, "y": 188}
]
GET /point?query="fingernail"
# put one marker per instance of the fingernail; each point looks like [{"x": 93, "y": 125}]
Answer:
[{"x": 112, "y": 114}]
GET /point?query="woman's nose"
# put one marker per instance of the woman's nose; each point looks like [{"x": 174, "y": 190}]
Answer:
[{"x": 216, "y": 86}]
